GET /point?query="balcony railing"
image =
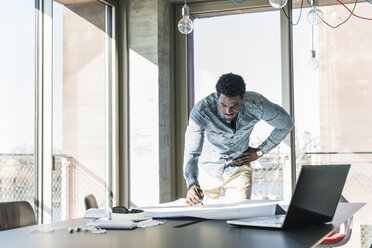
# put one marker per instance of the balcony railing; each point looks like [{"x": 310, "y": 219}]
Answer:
[{"x": 18, "y": 181}]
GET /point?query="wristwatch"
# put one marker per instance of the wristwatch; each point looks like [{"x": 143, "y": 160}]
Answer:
[{"x": 259, "y": 153}]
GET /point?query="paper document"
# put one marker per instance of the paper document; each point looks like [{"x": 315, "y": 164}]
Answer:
[{"x": 213, "y": 209}]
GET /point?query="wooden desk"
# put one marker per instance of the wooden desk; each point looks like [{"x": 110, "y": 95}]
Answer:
[{"x": 176, "y": 234}]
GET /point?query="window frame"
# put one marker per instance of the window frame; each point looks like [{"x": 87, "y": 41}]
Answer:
[
  {"x": 184, "y": 96},
  {"x": 44, "y": 111}
]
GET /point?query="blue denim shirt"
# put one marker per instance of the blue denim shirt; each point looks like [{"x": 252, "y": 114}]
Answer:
[{"x": 212, "y": 144}]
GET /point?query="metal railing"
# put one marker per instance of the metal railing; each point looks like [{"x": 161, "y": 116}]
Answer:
[
  {"x": 17, "y": 181},
  {"x": 267, "y": 178}
]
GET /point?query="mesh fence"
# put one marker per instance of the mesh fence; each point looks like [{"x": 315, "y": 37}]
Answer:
[
  {"x": 60, "y": 187},
  {"x": 366, "y": 236},
  {"x": 17, "y": 178},
  {"x": 268, "y": 177}
]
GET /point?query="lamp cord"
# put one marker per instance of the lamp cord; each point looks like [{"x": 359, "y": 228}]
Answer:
[
  {"x": 312, "y": 37},
  {"x": 351, "y": 13},
  {"x": 361, "y": 17},
  {"x": 235, "y": 1},
  {"x": 329, "y": 25},
  {"x": 299, "y": 17}
]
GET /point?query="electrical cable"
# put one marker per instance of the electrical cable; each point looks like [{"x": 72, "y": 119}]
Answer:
[
  {"x": 312, "y": 37},
  {"x": 299, "y": 17},
  {"x": 235, "y": 1},
  {"x": 331, "y": 26},
  {"x": 361, "y": 17}
]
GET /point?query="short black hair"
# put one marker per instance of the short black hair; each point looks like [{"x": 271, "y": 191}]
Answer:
[{"x": 230, "y": 85}]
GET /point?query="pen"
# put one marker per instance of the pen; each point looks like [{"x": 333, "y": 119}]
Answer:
[{"x": 198, "y": 194}]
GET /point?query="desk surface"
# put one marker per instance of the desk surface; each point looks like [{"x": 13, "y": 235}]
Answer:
[{"x": 177, "y": 233}]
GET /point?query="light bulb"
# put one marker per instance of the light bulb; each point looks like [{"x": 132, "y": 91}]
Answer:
[
  {"x": 278, "y": 3},
  {"x": 315, "y": 16},
  {"x": 185, "y": 25},
  {"x": 313, "y": 63}
]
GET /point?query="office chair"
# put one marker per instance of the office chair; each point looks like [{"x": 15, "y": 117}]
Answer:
[
  {"x": 338, "y": 239},
  {"x": 90, "y": 202},
  {"x": 16, "y": 214}
]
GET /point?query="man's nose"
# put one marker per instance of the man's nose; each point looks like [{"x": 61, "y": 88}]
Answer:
[{"x": 229, "y": 110}]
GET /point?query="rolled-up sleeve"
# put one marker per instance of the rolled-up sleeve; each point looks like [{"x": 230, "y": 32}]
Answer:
[
  {"x": 277, "y": 117},
  {"x": 194, "y": 139}
]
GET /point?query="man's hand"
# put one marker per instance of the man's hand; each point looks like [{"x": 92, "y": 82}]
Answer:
[
  {"x": 248, "y": 156},
  {"x": 192, "y": 197}
]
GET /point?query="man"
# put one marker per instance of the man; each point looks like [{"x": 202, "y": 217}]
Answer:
[{"x": 217, "y": 153}]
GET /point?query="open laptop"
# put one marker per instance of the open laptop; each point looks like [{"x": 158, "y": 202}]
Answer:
[{"x": 314, "y": 200}]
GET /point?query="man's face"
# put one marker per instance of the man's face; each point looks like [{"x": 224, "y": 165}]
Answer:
[{"x": 229, "y": 106}]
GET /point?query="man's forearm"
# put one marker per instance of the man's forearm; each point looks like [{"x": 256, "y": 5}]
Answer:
[
  {"x": 274, "y": 139},
  {"x": 194, "y": 139},
  {"x": 191, "y": 172}
]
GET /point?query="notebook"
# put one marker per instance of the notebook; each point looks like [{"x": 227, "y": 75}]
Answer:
[{"x": 314, "y": 199}]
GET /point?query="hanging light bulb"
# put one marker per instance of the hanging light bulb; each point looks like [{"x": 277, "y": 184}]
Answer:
[
  {"x": 315, "y": 16},
  {"x": 313, "y": 63},
  {"x": 278, "y": 3},
  {"x": 185, "y": 25}
]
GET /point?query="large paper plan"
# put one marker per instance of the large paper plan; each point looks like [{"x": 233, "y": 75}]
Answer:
[{"x": 213, "y": 209}]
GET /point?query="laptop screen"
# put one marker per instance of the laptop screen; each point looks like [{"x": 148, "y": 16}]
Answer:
[{"x": 316, "y": 195}]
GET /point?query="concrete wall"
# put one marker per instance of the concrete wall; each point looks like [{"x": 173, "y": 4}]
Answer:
[{"x": 150, "y": 101}]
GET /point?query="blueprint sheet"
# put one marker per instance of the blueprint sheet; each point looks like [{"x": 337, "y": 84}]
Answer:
[{"x": 213, "y": 209}]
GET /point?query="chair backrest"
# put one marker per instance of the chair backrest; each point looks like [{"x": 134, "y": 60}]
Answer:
[
  {"x": 16, "y": 214},
  {"x": 339, "y": 239},
  {"x": 90, "y": 202}
]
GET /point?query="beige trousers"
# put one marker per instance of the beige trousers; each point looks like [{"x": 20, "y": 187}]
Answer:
[{"x": 236, "y": 187}]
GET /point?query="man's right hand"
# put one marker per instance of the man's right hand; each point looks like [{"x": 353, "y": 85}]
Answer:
[{"x": 192, "y": 197}]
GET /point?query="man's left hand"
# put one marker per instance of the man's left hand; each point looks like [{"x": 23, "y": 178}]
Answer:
[{"x": 246, "y": 157}]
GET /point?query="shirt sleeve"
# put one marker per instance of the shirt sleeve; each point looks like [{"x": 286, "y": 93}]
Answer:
[
  {"x": 194, "y": 139},
  {"x": 277, "y": 117}
]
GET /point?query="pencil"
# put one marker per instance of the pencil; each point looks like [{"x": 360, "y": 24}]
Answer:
[{"x": 197, "y": 190}]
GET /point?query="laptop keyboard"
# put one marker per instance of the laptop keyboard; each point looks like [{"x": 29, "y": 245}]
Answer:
[{"x": 277, "y": 220}]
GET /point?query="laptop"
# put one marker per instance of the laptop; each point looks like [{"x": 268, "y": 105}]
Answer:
[{"x": 314, "y": 199}]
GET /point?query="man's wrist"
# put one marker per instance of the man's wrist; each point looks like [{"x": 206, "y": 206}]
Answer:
[{"x": 193, "y": 184}]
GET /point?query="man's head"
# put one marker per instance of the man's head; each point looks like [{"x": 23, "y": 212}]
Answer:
[{"x": 230, "y": 92}]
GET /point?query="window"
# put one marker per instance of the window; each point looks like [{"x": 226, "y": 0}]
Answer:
[
  {"x": 58, "y": 105},
  {"x": 332, "y": 104},
  {"x": 242, "y": 41},
  {"x": 81, "y": 106},
  {"x": 221, "y": 47},
  {"x": 17, "y": 102}
]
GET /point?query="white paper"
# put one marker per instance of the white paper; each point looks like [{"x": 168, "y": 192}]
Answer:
[{"x": 213, "y": 209}]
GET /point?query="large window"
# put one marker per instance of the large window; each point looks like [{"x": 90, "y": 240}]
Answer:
[
  {"x": 333, "y": 103},
  {"x": 243, "y": 44},
  {"x": 81, "y": 101},
  {"x": 57, "y": 102},
  {"x": 17, "y": 97}
]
